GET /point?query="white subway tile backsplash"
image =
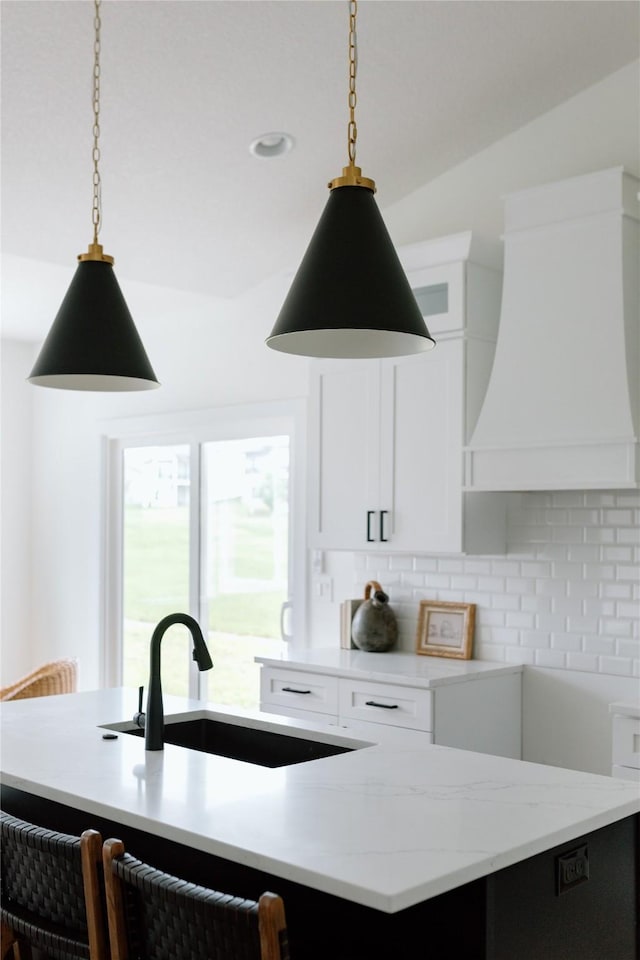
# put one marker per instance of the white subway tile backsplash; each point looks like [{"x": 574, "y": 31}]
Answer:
[
  {"x": 602, "y": 645},
  {"x": 437, "y": 580},
  {"x": 550, "y": 658},
  {"x": 618, "y": 518},
  {"x": 426, "y": 564},
  {"x": 552, "y": 622},
  {"x": 535, "y": 569},
  {"x": 600, "y": 535},
  {"x": 583, "y": 517},
  {"x": 583, "y": 661},
  {"x": 491, "y": 584},
  {"x": 631, "y": 610},
  {"x": 525, "y": 621},
  {"x": 584, "y": 554},
  {"x": 520, "y": 585},
  {"x": 600, "y": 571},
  {"x": 618, "y": 554},
  {"x": 566, "y": 594},
  {"x": 552, "y": 588},
  {"x": 535, "y": 638},
  {"x": 628, "y": 648},
  {"x": 505, "y": 568},
  {"x": 621, "y": 591},
  {"x": 490, "y": 618},
  {"x": 582, "y": 624},
  {"x": 628, "y": 535},
  {"x": 568, "y": 642},
  {"x": 582, "y": 588},
  {"x": 569, "y": 498},
  {"x": 519, "y": 655},
  {"x": 400, "y": 562},
  {"x": 616, "y": 628},
  {"x": 535, "y": 604},
  {"x": 620, "y": 666},
  {"x": 505, "y": 601},
  {"x": 463, "y": 582}
]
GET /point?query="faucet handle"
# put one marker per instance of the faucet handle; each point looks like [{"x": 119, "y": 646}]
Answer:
[{"x": 139, "y": 717}]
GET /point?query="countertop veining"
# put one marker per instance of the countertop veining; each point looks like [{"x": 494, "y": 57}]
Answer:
[{"x": 387, "y": 826}]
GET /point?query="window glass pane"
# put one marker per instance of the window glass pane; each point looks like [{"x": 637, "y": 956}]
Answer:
[
  {"x": 156, "y": 562},
  {"x": 245, "y": 560},
  {"x": 433, "y": 300}
]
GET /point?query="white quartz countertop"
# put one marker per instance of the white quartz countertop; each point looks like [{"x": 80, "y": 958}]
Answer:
[
  {"x": 387, "y": 826},
  {"x": 404, "y": 669}
]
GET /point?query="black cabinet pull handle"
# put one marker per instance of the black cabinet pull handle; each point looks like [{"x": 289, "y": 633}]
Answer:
[
  {"x": 385, "y": 706},
  {"x": 370, "y": 513},
  {"x": 383, "y": 514},
  {"x": 292, "y": 690}
]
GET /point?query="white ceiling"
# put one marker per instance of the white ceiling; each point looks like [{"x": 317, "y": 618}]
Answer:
[{"x": 187, "y": 84}]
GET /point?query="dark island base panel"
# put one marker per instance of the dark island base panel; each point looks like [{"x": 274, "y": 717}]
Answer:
[{"x": 544, "y": 908}]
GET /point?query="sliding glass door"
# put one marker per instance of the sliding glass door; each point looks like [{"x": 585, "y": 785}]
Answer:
[{"x": 202, "y": 524}]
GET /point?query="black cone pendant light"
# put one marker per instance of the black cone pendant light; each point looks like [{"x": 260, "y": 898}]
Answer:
[
  {"x": 93, "y": 343},
  {"x": 350, "y": 297}
]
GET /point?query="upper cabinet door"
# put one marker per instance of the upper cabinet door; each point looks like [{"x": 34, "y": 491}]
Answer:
[
  {"x": 344, "y": 453},
  {"x": 421, "y": 463},
  {"x": 386, "y": 437}
]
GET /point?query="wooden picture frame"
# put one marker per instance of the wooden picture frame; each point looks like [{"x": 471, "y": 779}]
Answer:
[{"x": 446, "y": 629}]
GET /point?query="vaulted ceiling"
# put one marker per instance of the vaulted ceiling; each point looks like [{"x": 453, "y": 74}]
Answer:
[{"x": 188, "y": 84}]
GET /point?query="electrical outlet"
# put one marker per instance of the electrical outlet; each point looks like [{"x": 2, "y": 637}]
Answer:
[
  {"x": 323, "y": 588},
  {"x": 572, "y": 868}
]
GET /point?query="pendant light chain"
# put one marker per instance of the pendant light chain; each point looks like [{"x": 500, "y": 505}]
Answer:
[
  {"x": 352, "y": 130},
  {"x": 96, "y": 211}
]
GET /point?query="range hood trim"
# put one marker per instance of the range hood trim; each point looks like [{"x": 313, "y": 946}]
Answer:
[{"x": 538, "y": 353}]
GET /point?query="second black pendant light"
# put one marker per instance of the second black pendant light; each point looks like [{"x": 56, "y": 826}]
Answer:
[{"x": 350, "y": 297}]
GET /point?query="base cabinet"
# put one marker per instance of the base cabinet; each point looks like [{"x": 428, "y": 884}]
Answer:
[
  {"x": 517, "y": 912},
  {"x": 482, "y": 714},
  {"x": 625, "y": 745}
]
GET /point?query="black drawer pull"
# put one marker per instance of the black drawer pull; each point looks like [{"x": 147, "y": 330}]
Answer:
[
  {"x": 383, "y": 514},
  {"x": 385, "y": 706},
  {"x": 370, "y": 513},
  {"x": 292, "y": 690}
]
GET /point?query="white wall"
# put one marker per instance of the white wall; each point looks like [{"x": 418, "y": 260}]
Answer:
[
  {"x": 596, "y": 129},
  {"x": 16, "y": 402},
  {"x": 206, "y": 353},
  {"x": 210, "y": 353}
]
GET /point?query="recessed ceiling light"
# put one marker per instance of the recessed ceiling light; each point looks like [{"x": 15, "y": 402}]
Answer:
[{"x": 271, "y": 145}]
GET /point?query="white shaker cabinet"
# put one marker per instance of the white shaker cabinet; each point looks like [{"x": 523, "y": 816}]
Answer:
[
  {"x": 625, "y": 743},
  {"x": 472, "y": 705},
  {"x": 386, "y": 436}
]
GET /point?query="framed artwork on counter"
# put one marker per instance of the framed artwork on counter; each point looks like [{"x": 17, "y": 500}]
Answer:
[{"x": 446, "y": 629}]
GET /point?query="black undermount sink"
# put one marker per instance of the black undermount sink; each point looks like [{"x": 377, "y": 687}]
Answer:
[{"x": 238, "y": 742}]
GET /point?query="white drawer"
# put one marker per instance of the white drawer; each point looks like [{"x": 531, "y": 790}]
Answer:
[
  {"x": 297, "y": 690},
  {"x": 385, "y": 703},
  {"x": 626, "y": 742}
]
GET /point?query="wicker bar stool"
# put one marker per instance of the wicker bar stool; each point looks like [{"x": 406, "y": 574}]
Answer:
[
  {"x": 156, "y": 916},
  {"x": 52, "y": 893},
  {"x": 59, "y": 676}
]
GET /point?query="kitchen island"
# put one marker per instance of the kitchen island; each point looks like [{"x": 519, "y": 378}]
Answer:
[{"x": 396, "y": 838}]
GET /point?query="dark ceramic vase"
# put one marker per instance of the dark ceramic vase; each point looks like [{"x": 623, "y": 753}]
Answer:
[{"x": 374, "y": 627}]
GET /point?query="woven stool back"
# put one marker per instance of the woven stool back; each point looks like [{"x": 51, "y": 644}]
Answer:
[
  {"x": 59, "y": 676},
  {"x": 155, "y": 916},
  {"x": 51, "y": 891}
]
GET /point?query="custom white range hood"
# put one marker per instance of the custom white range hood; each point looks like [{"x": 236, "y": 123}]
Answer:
[{"x": 562, "y": 409}]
